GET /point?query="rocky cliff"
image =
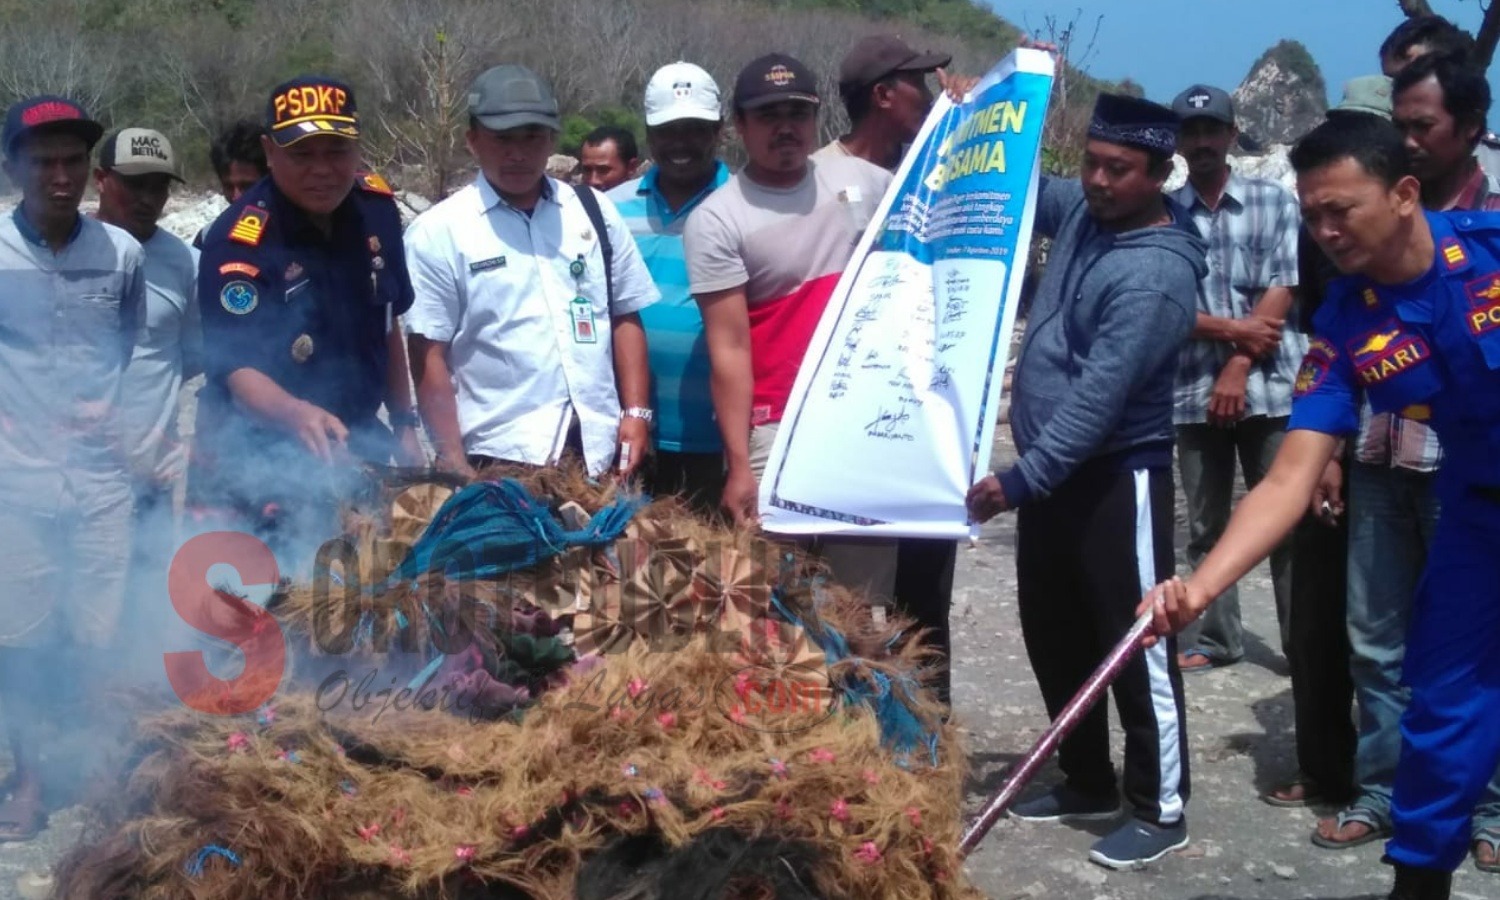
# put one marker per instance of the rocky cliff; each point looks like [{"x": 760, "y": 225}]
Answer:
[{"x": 1283, "y": 97}]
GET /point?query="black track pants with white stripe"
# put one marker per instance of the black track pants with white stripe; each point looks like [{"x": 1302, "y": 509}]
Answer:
[{"x": 1084, "y": 558}]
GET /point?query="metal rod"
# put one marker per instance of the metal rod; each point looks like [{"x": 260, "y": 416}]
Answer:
[{"x": 1061, "y": 727}]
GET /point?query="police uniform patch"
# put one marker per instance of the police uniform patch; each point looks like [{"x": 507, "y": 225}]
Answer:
[
  {"x": 375, "y": 184},
  {"x": 239, "y": 297},
  {"x": 242, "y": 268},
  {"x": 1453, "y": 253},
  {"x": 1315, "y": 365},
  {"x": 1385, "y": 352},
  {"x": 1484, "y": 304},
  {"x": 249, "y": 227}
]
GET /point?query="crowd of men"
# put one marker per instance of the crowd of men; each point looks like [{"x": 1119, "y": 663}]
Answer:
[{"x": 650, "y": 328}]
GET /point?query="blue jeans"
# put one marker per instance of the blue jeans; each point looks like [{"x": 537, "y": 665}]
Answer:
[{"x": 1392, "y": 516}]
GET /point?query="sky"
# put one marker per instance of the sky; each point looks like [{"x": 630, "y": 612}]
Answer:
[{"x": 1166, "y": 45}]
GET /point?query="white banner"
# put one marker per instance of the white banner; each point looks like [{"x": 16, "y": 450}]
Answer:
[{"x": 893, "y": 412}]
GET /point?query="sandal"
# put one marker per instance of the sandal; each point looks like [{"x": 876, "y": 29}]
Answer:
[
  {"x": 1191, "y": 668},
  {"x": 1488, "y": 837},
  {"x": 1295, "y": 794},
  {"x": 1354, "y": 815},
  {"x": 21, "y": 820}
]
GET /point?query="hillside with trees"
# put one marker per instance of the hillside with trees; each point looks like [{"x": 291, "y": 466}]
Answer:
[{"x": 188, "y": 67}]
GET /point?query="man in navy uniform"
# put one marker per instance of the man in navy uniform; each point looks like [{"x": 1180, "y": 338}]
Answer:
[
  {"x": 1415, "y": 325},
  {"x": 300, "y": 284}
]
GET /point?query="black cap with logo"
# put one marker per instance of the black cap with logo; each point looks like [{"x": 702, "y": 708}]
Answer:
[{"x": 773, "y": 78}]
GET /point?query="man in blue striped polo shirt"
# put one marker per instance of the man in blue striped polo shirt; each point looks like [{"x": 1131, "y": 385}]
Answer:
[{"x": 683, "y": 122}]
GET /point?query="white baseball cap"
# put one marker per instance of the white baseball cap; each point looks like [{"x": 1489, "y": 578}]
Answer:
[{"x": 681, "y": 91}]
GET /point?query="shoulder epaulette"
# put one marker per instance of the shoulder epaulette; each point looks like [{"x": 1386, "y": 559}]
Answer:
[
  {"x": 375, "y": 184},
  {"x": 249, "y": 227}
]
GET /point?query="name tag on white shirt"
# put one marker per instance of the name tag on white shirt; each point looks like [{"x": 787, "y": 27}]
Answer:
[{"x": 583, "y": 321}]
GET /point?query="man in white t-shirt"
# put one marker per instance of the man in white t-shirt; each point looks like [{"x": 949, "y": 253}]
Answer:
[
  {"x": 525, "y": 343},
  {"x": 764, "y": 253}
]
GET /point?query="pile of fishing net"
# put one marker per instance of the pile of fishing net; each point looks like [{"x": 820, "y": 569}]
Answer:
[{"x": 604, "y": 698}]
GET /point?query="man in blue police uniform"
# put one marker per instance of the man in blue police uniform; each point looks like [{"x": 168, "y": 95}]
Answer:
[
  {"x": 1416, "y": 326},
  {"x": 300, "y": 284}
]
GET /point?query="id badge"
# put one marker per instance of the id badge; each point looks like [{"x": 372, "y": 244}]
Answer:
[{"x": 583, "y": 321}]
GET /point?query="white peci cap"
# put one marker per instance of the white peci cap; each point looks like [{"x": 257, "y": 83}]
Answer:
[{"x": 681, "y": 91}]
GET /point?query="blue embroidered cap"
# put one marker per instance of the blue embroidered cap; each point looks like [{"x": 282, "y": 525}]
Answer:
[{"x": 1133, "y": 122}]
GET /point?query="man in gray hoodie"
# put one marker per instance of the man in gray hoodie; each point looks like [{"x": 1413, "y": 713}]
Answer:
[{"x": 1091, "y": 413}]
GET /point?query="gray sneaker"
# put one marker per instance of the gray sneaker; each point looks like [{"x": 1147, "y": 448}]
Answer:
[
  {"x": 1063, "y": 802},
  {"x": 1138, "y": 842}
]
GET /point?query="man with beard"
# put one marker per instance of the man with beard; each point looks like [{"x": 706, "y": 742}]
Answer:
[
  {"x": 1413, "y": 327},
  {"x": 764, "y": 254},
  {"x": 683, "y": 124},
  {"x": 74, "y": 288},
  {"x": 1440, "y": 105},
  {"x": 1234, "y": 378},
  {"x": 1091, "y": 413}
]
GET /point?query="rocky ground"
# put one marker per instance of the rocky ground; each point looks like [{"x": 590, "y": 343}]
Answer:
[{"x": 1241, "y": 742}]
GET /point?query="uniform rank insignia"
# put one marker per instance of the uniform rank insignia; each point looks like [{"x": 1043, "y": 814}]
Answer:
[
  {"x": 239, "y": 297},
  {"x": 1372, "y": 299},
  {"x": 375, "y": 184},
  {"x": 250, "y": 226},
  {"x": 242, "y": 268},
  {"x": 1453, "y": 253}
]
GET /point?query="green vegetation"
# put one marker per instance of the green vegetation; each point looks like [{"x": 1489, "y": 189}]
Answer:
[{"x": 190, "y": 67}]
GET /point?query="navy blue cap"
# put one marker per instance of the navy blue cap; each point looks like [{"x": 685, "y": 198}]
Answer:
[
  {"x": 48, "y": 112},
  {"x": 773, "y": 78},
  {"x": 1133, "y": 122},
  {"x": 308, "y": 106}
]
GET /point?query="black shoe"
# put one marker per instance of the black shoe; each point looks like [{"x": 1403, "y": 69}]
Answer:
[
  {"x": 1063, "y": 802},
  {"x": 1137, "y": 843},
  {"x": 1413, "y": 883}
]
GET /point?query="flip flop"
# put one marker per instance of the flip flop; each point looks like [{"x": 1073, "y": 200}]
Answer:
[
  {"x": 1311, "y": 796},
  {"x": 1490, "y": 837},
  {"x": 1208, "y": 665},
  {"x": 16, "y": 826},
  {"x": 1379, "y": 830}
]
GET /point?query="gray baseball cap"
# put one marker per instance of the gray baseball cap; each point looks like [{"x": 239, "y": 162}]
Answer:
[
  {"x": 512, "y": 96},
  {"x": 1366, "y": 94},
  {"x": 1203, "y": 102}
]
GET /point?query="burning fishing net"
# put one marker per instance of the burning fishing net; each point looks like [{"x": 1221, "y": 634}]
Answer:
[{"x": 576, "y": 694}]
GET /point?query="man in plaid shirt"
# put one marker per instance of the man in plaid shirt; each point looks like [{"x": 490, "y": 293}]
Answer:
[
  {"x": 1235, "y": 377},
  {"x": 1441, "y": 102}
]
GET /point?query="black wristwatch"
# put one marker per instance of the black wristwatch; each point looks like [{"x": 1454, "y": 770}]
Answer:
[{"x": 407, "y": 419}]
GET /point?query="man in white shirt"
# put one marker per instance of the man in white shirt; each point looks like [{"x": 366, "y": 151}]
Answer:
[
  {"x": 525, "y": 342},
  {"x": 135, "y": 174}
]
